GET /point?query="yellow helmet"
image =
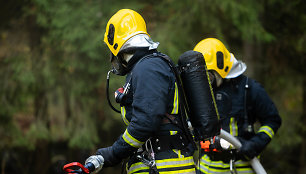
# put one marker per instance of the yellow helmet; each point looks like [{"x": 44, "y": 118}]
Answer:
[
  {"x": 123, "y": 25},
  {"x": 216, "y": 56}
]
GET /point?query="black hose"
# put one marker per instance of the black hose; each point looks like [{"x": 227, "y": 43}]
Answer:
[{"x": 107, "y": 93}]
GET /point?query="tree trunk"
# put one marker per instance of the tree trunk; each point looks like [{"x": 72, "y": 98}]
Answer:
[{"x": 248, "y": 57}]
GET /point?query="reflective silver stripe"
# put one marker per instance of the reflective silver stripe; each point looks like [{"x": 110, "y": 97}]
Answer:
[
  {"x": 175, "y": 101},
  {"x": 167, "y": 163},
  {"x": 218, "y": 167},
  {"x": 206, "y": 160},
  {"x": 131, "y": 140},
  {"x": 233, "y": 127},
  {"x": 145, "y": 170},
  {"x": 207, "y": 169},
  {"x": 123, "y": 114},
  {"x": 267, "y": 130}
]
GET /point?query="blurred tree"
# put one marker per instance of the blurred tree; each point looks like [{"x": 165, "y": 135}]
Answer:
[
  {"x": 285, "y": 62},
  {"x": 270, "y": 37},
  {"x": 54, "y": 72}
]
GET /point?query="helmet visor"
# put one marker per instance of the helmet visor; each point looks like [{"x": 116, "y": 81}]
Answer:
[{"x": 140, "y": 40}]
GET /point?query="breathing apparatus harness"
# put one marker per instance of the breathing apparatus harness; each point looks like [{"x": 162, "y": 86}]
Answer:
[
  {"x": 179, "y": 85},
  {"x": 247, "y": 127}
]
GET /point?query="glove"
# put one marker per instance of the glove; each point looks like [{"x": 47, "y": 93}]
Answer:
[
  {"x": 109, "y": 158},
  {"x": 119, "y": 95},
  {"x": 94, "y": 163},
  {"x": 247, "y": 150},
  {"x": 253, "y": 147}
]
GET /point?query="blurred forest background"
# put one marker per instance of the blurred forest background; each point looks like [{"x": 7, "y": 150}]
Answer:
[{"x": 53, "y": 66}]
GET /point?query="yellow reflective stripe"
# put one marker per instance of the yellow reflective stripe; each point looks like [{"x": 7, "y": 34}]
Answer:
[
  {"x": 131, "y": 140},
  {"x": 208, "y": 170},
  {"x": 165, "y": 163},
  {"x": 173, "y": 132},
  {"x": 175, "y": 101},
  {"x": 217, "y": 167},
  {"x": 178, "y": 152},
  {"x": 185, "y": 171},
  {"x": 123, "y": 114},
  {"x": 267, "y": 130},
  {"x": 205, "y": 160},
  {"x": 245, "y": 170},
  {"x": 233, "y": 127},
  {"x": 138, "y": 167},
  {"x": 175, "y": 162},
  {"x": 241, "y": 163}
]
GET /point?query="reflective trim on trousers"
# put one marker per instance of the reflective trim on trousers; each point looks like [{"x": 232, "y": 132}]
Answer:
[
  {"x": 218, "y": 167},
  {"x": 267, "y": 130},
  {"x": 174, "y": 165},
  {"x": 131, "y": 140},
  {"x": 123, "y": 113}
]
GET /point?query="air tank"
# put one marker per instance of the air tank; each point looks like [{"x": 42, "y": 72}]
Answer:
[{"x": 198, "y": 93}]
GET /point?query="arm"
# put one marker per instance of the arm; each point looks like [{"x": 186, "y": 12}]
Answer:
[{"x": 266, "y": 113}]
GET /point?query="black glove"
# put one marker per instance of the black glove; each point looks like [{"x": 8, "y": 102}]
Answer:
[
  {"x": 253, "y": 147},
  {"x": 109, "y": 158},
  {"x": 247, "y": 150}
]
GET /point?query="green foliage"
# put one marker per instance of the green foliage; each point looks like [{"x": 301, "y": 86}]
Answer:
[
  {"x": 289, "y": 103},
  {"x": 57, "y": 82},
  {"x": 186, "y": 23}
]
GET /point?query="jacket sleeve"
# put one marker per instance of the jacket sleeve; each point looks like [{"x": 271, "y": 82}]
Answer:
[
  {"x": 150, "y": 84},
  {"x": 266, "y": 113}
]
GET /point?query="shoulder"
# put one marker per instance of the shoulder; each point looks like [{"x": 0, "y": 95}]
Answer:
[
  {"x": 247, "y": 82},
  {"x": 254, "y": 84},
  {"x": 258, "y": 92},
  {"x": 253, "y": 87},
  {"x": 151, "y": 63}
]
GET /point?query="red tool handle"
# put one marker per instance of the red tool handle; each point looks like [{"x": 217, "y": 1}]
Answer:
[{"x": 67, "y": 167}]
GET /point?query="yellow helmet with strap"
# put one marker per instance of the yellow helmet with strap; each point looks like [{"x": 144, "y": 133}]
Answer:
[
  {"x": 123, "y": 25},
  {"x": 216, "y": 56}
]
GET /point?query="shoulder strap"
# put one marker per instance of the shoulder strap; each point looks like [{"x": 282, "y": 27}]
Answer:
[
  {"x": 247, "y": 126},
  {"x": 182, "y": 99}
]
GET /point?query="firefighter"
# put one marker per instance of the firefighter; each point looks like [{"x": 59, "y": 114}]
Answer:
[
  {"x": 154, "y": 140},
  {"x": 241, "y": 102}
]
